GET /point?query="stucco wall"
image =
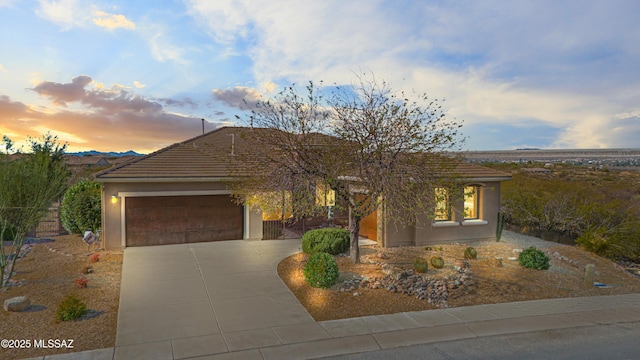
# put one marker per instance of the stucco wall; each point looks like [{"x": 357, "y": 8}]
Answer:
[
  {"x": 112, "y": 213},
  {"x": 426, "y": 232}
]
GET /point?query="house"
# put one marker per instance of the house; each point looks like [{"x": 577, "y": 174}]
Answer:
[{"x": 179, "y": 195}]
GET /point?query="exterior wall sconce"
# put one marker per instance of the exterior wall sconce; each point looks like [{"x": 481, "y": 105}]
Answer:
[{"x": 114, "y": 199}]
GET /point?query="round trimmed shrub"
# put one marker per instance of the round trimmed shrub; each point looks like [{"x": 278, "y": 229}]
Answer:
[
  {"x": 330, "y": 240},
  {"x": 81, "y": 207},
  {"x": 533, "y": 258},
  {"x": 437, "y": 262},
  {"x": 70, "y": 308},
  {"x": 470, "y": 253},
  {"x": 321, "y": 270},
  {"x": 421, "y": 265}
]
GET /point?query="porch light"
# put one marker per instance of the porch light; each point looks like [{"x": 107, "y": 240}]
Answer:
[{"x": 114, "y": 199}]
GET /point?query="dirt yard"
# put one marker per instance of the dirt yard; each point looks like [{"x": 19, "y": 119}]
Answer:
[
  {"x": 488, "y": 282},
  {"x": 46, "y": 275}
]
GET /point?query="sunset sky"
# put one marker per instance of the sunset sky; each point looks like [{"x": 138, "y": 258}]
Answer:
[{"x": 139, "y": 75}]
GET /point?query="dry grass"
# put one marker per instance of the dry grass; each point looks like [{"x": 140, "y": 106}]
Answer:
[
  {"x": 47, "y": 277},
  {"x": 491, "y": 284}
]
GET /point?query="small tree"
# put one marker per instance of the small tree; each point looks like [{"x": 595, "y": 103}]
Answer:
[
  {"x": 81, "y": 207},
  {"x": 28, "y": 187},
  {"x": 375, "y": 148}
]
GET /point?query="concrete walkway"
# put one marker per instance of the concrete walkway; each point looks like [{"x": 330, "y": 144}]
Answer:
[{"x": 224, "y": 300}]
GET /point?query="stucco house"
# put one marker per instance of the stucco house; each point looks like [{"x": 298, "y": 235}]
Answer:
[{"x": 179, "y": 195}]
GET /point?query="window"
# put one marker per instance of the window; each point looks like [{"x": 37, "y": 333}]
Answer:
[
  {"x": 443, "y": 209},
  {"x": 471, "y": 202}
]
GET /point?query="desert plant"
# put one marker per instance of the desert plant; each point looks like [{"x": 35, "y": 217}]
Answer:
[
  {"x": 437, "y": 262},
  {"x": 533, "y": 258},
  {"x": 420, "y": 265},
  {"x": 70, "y": 308},
  {"x": 330, "y": 240},
  {"x": 95, "y": 258},
  {"x": 81, "y": 282},
  {"x": 470, "y": 253},
  {"x": 87, "y": 269},
  {"x": 321, "y": 270},
  {"x": 29, "y": 184},
  {"x": 499, "y": 226},
  {"x": 81, "y": 208}
]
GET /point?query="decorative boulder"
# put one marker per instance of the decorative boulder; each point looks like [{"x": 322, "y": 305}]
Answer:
[{"x": 16, "y": 304}]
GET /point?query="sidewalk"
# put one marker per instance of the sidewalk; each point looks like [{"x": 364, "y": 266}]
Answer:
[{"x": 225, "y": 301}]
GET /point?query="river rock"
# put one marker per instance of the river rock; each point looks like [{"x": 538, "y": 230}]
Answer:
[{"x": 17, "y": 304}]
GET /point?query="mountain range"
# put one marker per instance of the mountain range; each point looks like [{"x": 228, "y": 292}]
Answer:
[{"x": 105, "y": 154}]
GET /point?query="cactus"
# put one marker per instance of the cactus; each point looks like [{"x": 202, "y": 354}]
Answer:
[
  {"x": 437, "y": 262},
  {"x": 500, "y": 226},
  {"x": 470, "y": 253},
  {"x": 420, "y": 265}
]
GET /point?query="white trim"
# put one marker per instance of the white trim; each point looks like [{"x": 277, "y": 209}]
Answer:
[
  {"x": 164, "y": 179},
  {"x": 474, "y": 222},
  {"x": 247, "y": 222},
  {"x": 123, "y": 235},
  {"x": 172, "y": 193},
  {"x": 444, "y": 223}
]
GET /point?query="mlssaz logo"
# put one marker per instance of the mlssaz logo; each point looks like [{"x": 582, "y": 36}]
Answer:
[{"x": 53, "y": 344}]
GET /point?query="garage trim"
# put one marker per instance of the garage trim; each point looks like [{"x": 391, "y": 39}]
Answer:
[{"x": 122, "y": 196}]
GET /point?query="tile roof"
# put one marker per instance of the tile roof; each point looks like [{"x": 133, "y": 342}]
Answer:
[{"x": 216, "y": 154}]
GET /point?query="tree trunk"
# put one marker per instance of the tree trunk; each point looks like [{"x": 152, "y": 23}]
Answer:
[{"x": 354, "y": 249}]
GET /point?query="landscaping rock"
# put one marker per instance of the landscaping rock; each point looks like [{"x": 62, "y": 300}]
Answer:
[{"x": 17, "y": 304}]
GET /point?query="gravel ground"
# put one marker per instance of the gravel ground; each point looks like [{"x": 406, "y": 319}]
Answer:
[
  {"x": 491, "y": 280},
  {"x": 521, "y": 241}
]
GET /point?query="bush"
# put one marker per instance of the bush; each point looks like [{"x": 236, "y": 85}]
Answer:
[
  {"x": 533, "y": 258},
  {"x": 70, "y": 308},
  {"x": 437, "y": 262},
  {"x": 81, "y": 207},
  {"x": 321, "y": 270},
  {"x": 420, "y": 265},
  {"x": 330, "y": 240},
  {"x": 470, "y": 253}
]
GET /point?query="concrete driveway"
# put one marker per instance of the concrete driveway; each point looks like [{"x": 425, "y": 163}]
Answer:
[{"x": 200, "y": 299}]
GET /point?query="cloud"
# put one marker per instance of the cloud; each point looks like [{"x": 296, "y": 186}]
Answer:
[
  {"x": 163, "y": 50},
  {"x": 111, "y": 118},
  {"x": 138, "y": 84},
  {"x": 2, "y": 69},
  {"x": 65, "y": 13},
  {"x": 61, "y": 94},
  {"x": 239, "y": 97},
  {"x": 184, "y": 103},
  {"x": 6, "y": 3},
  {"x": 112, "y": 21},
  {"x": 563, "y": 66}
]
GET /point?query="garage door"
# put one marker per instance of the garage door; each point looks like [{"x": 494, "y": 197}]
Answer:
[{"x": 182, "y": 219}]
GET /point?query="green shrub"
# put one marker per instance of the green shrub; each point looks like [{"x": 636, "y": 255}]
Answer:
[
  {"x": 70, "y": 308},
  {"x": 421, "y": 265},
  {"x": 533, "y": 258},
  {"x": 321, "y": 270},
  {"x": 470, "y": 253},
  {"x": 595, "y": 241},
  {"x": 330, "y": 240},
  {"x": 81, "y": 207},
  {"x": 437, "y": 262}
]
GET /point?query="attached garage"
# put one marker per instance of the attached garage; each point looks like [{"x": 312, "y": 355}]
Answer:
[{"x": 161, "y": 220}]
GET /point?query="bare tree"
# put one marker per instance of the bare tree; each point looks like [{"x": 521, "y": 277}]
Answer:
[
  {"x": 28, "y": 186},
  {"x": 377, "y": 149}
]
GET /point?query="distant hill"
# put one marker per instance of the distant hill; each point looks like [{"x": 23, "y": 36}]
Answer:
[{"x": 105, "y": 154}]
